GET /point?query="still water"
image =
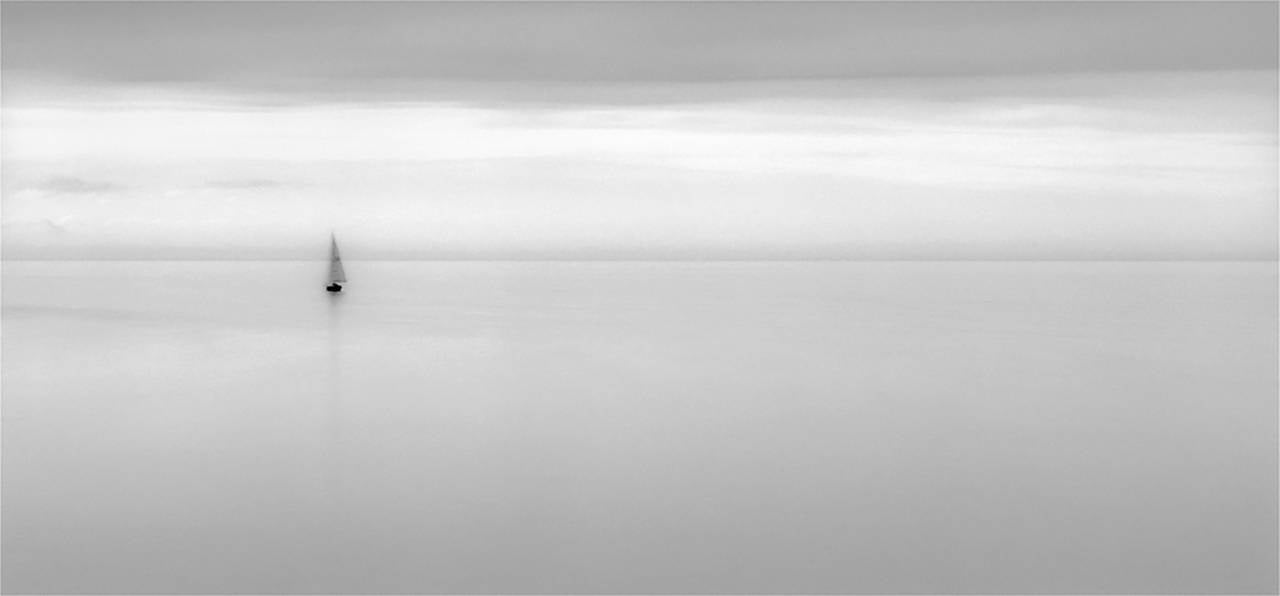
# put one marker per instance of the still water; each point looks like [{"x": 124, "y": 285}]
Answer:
[{"x": 538, "y": 427}]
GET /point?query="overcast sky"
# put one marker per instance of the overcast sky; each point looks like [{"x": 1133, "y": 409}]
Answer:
[{"x": 640, "y": 130}]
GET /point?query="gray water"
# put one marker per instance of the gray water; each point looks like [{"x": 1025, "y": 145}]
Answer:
[{"x": 640, "y": 427}]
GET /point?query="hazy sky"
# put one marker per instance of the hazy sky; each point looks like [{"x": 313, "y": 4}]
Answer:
[{"x": 598, "y": 130}]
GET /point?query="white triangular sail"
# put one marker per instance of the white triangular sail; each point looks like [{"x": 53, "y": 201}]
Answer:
[{"x": 336, "y": 274}]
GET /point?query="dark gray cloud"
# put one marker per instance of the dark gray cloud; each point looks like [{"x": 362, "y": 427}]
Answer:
[
  {"x": 74, "y": 185},
  {"x": 296, "y": 45}
]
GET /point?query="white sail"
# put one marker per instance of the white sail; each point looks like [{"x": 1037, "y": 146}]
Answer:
[{"x": 336, "y": 273}]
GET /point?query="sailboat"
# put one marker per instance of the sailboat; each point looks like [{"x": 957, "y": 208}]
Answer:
[{"x": 336, "y": 275}]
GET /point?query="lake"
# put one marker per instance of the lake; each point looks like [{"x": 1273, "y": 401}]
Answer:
[{"x": 640, "y": 427}]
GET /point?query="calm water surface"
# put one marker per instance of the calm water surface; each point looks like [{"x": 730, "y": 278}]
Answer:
[{"x": 640, "y": 427}]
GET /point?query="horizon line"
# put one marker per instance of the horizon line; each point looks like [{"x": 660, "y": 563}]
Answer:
[{"x": 1273, "y": 259}]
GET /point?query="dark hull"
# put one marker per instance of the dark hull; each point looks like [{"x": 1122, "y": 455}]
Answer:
[{"x": 333, "y": 288}]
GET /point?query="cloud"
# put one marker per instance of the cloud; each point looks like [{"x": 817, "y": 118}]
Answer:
[
  {"x": 59, "y": 226},
  {"x": 74, "y": 185},
  {"x": 243, "y": 184},
  {"x": 1175, "y": 165},
  {"x": 312, "y": 47}
]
